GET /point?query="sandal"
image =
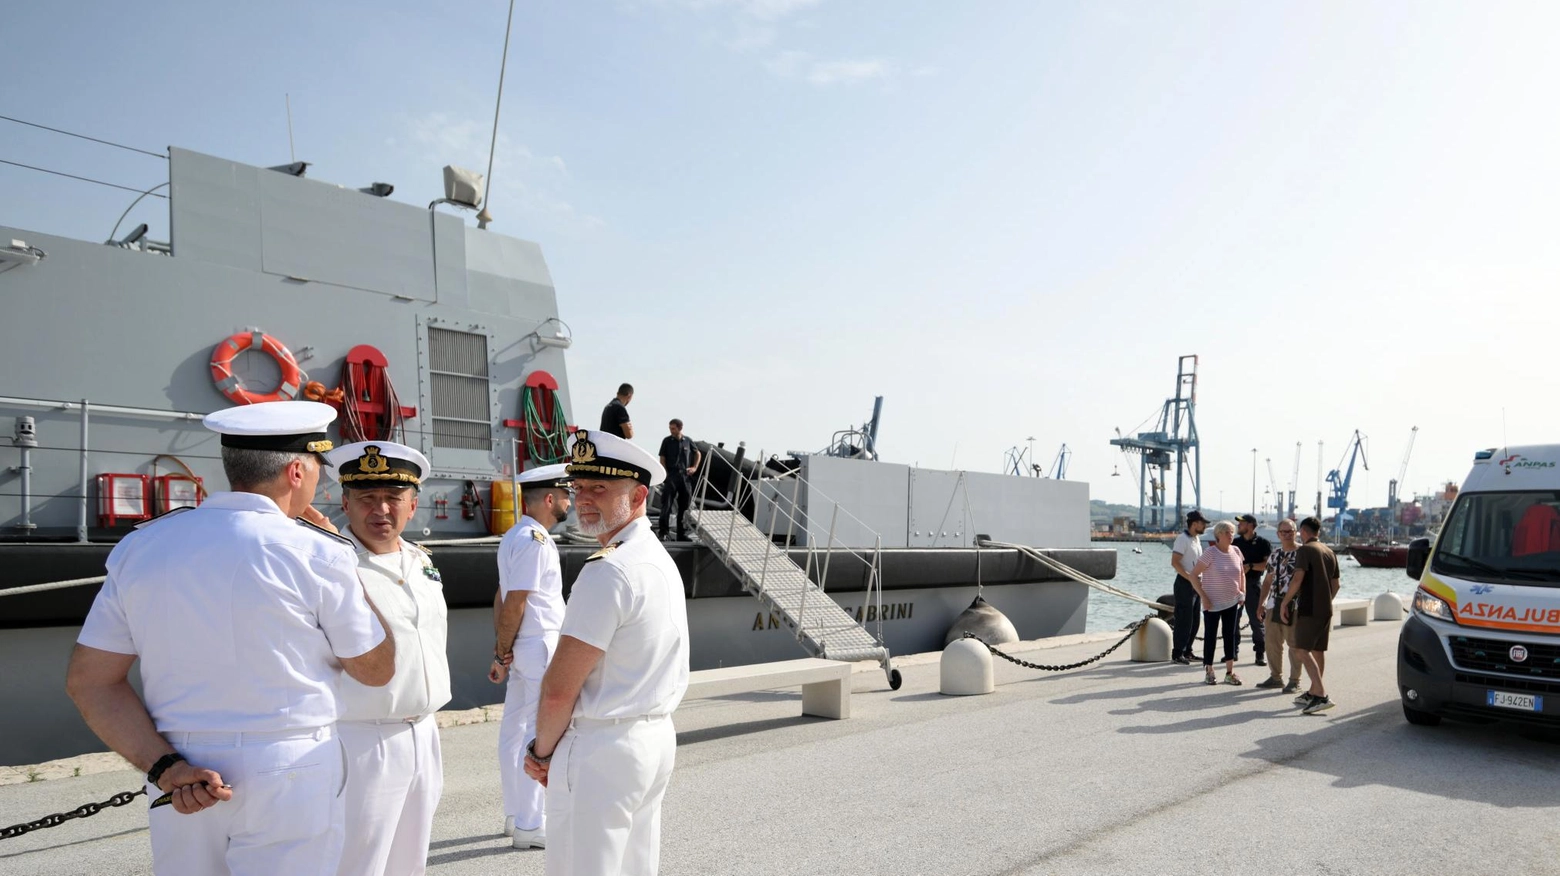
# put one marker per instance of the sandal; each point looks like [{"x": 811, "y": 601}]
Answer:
[
  {"x": 1229, "y": 678},
  {"x": 1210, "y": 679}
]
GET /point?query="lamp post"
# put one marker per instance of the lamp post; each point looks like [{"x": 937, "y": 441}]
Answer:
[{"x": 1253, "y": 480}]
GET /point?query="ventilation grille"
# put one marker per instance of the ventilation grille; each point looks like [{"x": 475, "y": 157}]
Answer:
[{"x": 458, "y": 365}]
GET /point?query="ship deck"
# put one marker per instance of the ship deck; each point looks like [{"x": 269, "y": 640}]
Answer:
[{"x": 1118, "y": 767}]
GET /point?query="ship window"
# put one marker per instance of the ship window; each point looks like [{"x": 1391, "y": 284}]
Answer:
[{"x": 458, "y": 372}]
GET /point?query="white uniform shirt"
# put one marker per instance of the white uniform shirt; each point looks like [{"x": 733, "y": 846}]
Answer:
[
  {"x": 404, "y": 585},
  {"x": 528, "y": 560},
  {"x": 238, "y": 613},
  {"x": 629, "y": 602},
  {"x": 1190, "y": 547}
]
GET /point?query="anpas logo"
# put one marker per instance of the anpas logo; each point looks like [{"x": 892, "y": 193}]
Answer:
[{"x": 1517, "y": 460}]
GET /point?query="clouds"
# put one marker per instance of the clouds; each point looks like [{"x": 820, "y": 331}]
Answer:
[{"x": 802, "y": 66}]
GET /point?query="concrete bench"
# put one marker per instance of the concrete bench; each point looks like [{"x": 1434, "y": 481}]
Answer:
[
  {"x": 825, "y": 683},
  {"x": 1351, "y": 612}
]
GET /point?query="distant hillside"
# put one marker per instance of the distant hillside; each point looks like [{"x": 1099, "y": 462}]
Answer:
[{"x": 1101, "y": 511}]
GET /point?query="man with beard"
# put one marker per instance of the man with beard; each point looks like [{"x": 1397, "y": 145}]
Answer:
[
  {"x": 620, "y": 669},
  {"x": 1254, "y": 550},
  {"x": 1184, "y": 555},
  {"x": 528, "y": 612},
  {"x": 395, "y": 768},
  {"x": 1308, "y": 605}
]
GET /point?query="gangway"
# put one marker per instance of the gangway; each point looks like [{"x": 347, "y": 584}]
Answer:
[{"x": 768, "y": 573}]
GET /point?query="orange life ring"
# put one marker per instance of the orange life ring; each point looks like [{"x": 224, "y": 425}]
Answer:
[{"x": 232, "y": 386}]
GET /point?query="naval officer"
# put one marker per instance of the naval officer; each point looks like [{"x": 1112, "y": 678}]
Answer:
[
  {"x": 395, "y": 771},
  {"x": 243, "y": 619},
  {"x": 527, "y": 617},
  {"x": 604, "y": 743}
]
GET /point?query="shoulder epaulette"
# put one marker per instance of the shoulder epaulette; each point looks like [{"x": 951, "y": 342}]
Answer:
[
  {"x": 427, "y": 551},
  {"x": 327, "y": 533},
  {"x": 176, "y": 511},
  {"x": 604, "y": 551},
  {"x": 540, "y": 536}
]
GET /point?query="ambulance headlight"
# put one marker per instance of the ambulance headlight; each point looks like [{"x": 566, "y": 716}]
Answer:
[{"x": 1427, "y": 603}]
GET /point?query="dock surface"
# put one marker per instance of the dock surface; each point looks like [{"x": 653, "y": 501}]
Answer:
[{"x": 1115, "y": 768}]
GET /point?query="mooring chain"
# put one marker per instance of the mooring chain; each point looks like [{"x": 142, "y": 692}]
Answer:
[
  {"x": 1132, "y": 628},
  {"x": 59, "y": 818}
]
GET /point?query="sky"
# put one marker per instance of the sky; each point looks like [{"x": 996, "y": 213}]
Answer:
[{"x": 1008, "y": 218}]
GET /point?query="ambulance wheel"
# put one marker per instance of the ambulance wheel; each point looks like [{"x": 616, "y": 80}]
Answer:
[
  {"x": 1420, "y": 718},
  {"x": 895, "y": 679}
]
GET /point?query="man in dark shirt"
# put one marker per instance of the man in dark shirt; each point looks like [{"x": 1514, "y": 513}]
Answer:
[
  {"x": 1309, "y": 605},
  {"x": 681, "y": 460},
  {"x": 1254, "y": 550},
  {"x": 614, "y": 418}
]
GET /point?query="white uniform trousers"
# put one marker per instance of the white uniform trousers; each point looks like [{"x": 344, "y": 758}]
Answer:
[
  {"x": 285, "y": 815},
  {"x": 523, "y": 796},
  {"x": 604, "y": 790},
  {"x": 395, "y": 774}
]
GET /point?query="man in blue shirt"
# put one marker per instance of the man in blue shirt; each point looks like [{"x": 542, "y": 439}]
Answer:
[{"x": 681, "y": 460}]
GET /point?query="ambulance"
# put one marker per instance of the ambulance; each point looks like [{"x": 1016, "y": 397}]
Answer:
[{"x": 1483, "y": 638}]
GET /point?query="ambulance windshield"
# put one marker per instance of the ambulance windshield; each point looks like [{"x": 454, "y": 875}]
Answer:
[{"x": 1506, "y": 537}]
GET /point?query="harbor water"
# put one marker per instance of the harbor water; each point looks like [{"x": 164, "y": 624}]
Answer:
[{"x": 1148, "y": 574}]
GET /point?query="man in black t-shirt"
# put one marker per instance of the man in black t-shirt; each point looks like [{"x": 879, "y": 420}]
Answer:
[
  {"x": 614, "y": 418},
  {"x": 681, "y": 460},
  {"x": 1254, "y": 550}
]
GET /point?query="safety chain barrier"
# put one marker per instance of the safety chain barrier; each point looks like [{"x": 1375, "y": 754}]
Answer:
[
  {"x": 1131, "y": 628},
  {"x": 59, "y": 818}
]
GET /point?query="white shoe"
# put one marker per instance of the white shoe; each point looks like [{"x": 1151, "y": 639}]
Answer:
[
  {"x": 509, "y": 825},
  {"x": 531, "y": 839}
]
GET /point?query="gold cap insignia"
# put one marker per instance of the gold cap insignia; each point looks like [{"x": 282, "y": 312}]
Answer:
[
  {"x": 319, "y": 446},
  {"x": 584, "y": 449},
  {"x": 371, "y": 462}
]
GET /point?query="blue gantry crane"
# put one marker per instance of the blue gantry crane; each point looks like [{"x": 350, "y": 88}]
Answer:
[
  {"x": 1339, "y": 498},
  {"x": 1173, "y": 442}
]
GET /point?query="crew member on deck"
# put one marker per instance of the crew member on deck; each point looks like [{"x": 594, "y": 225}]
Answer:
[
  {"x": 604, "y": 743},
  {"x": 395, "y": 771},
  {"x": 243, "y": 619},
  {"x": 527, "y": 614}
]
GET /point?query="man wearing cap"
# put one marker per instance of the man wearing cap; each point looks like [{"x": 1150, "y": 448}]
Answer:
[
  {"x": 621, "y": 668},
  {"x": 395, "y": 770},
  {"x": 1254, "y": 550},
  {"x": 527, "y": 616},
  {"x": 1183, "y": 558},
  {"x": 243, "y": 619}
]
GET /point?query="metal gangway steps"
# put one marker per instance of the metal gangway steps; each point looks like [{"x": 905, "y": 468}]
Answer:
[{"x": 766, "y": 571}]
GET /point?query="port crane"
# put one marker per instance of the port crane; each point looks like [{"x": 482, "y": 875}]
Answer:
[
  {"x": 1339, "y": 481},
  {"x": 1059, "y": 467},
  {"x": 1294, "y": 481},
  {"x": 1278, "y": 496},
  {"x": 1172, "y": 442},
  {"x": 1394, "y": 484}
]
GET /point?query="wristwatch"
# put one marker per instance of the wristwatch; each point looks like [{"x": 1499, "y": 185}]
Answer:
[{"x": 530, "y": 750}]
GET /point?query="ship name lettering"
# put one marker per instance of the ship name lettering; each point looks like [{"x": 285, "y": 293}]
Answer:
[{"x": 863, "y": 614}]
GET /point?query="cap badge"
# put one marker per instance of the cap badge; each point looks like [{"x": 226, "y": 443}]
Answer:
[
  {"x": 584, "y": 449},
  {"x": 318, "y": 446},
  {"x": 371, "y": 462}
]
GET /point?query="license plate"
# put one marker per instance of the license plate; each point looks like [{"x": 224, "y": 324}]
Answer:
[{"x": 1504, "y": 700}]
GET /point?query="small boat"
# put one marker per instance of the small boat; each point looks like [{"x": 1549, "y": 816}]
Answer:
[{"x": 1380, "y": 556}]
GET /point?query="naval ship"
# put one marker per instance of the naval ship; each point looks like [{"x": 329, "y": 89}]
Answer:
[{"x": 424, "y": 329}]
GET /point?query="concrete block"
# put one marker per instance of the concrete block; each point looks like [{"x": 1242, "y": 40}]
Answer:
[
  {"x": 827, "y": 699},
  {"x": 1151, "y": 642},
  {"x": 1351, "y": 612},
  {"x": 1388, "y": 607},
  {"x": 966, "y": 669}
]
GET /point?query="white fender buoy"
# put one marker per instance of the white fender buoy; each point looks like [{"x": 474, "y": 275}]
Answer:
[
  {"x": 1151, "y": 642},
  {"x": 986, "y": 622},
  {"x": 1388, "y": 607},
  {"x": 966, "y": 669}
]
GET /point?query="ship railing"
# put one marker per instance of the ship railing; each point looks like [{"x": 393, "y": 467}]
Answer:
[{"x": 786, "y": 510}]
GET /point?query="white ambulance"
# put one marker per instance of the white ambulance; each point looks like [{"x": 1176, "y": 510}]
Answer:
[{"x": 1483, "y": 640}]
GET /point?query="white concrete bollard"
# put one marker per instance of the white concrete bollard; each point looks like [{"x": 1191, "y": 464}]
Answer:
[
  {"x": 966, "y": 669},
  {"x": 1388, "y": 607},
  {"x": 1151, "y": 642}
]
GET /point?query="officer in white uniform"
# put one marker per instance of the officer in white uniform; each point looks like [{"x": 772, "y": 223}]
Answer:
[
  {"x": 395, "y": 771},
  {"x": 527, "y": 616},
  {"x": 604, "y": 743},
  {"x": 244, "y": 620}
]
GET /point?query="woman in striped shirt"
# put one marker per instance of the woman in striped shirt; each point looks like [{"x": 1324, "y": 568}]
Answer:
[{"x": 1220, "y": 582}]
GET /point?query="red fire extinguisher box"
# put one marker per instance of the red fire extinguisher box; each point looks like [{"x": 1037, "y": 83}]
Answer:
[
  {"x": 176, "y": 491},
  {"x": 123, "y": 498}
]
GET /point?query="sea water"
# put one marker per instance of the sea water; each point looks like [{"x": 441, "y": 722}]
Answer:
[{"x": 1149, "y": 575}]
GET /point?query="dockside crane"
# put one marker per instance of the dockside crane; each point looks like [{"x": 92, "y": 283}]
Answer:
[
  {"x": 1294, "y": 481},
  {"x": 1339, "y": 498},
  {"x": 1059, "y": 467},
  {"x": 1278, "y": 496},
  {"x": 1392, "y": 485},
  {"x": 1173, "y": 442}
]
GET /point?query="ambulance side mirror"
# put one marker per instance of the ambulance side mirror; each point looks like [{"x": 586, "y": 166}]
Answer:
[{"x": 1418, "y": 553}]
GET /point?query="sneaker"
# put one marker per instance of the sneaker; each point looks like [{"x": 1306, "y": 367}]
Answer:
[
  {"x": 1304, "y": 699},
  {"x": 1261, "y": 660},
  {"x": 1181, "y": 659},
  {"x": 1317, "y": 704},
  {"x": 1209, "y": 679},
  {"x": 1231, "y": 678},
  {"x": 509, "y": 825},
  {"x": 531, "y": 839},
  {"x": 1292, "y": 686},
  {"x": 1269, "y": 683}
]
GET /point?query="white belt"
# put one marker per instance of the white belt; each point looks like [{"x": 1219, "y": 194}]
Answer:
[
  {"x": 177, "y": 738},
  {"x": 583, "y": 722},
  {"x": 412, "y": 720}
]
